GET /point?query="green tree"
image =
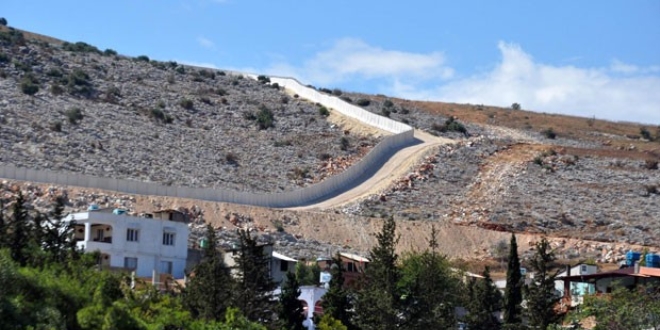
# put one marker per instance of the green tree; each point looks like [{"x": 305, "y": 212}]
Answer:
[
  {"x": 253, "y": 285},
  {"x": 513, "y": 291},
  {"x": 307, "y": 275},
  {"x": 485, "y": 301},
  {"x": 540, "y": 293},
  {"x": 377, "y": 302},
  {"x": 291, "y": 311},
  {"x": 19, "y": 235},
  {"x": 327, "y": 322},
  {"x": 624, "y": 309},
  {"x": 430, "y": 291},
  {"x": 208, "y": 294},
  {"x": 336, "y": 301},
  {"x": 3, "y": 21}
]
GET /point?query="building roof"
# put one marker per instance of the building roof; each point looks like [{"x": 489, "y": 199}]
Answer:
[
  {"x": 354, "y": 257},
  {"x": 623, "y": 272},
  {"x": 283, "y": 257}
]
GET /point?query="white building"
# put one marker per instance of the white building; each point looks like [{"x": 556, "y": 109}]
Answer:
[
  {"x": 577, "y": 289},
  {"x": 278, "y": 264},
  {"x": 141, "y": 244}
]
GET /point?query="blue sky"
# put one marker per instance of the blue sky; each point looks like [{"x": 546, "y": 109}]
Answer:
[{"x": 588, "y": 58}]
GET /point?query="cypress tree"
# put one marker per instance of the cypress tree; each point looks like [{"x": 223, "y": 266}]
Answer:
[
  {"x": 377, "y": 305},
  {"x": 290, "y": 309},
  {"x": 336, "y": 301},
  {"x": 513, "y": 292},
  {"x": 254, "y": 286},
  {"x": 19, "y": 236},
  {"x": 540, "y": 293},
  {"x": 209, "y": 290}
]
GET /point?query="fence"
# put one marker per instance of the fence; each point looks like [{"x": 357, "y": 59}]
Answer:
[{"x": 403, "y": 136}]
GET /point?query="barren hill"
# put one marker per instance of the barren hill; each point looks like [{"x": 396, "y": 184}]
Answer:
[{"x": 70, "y": 107}]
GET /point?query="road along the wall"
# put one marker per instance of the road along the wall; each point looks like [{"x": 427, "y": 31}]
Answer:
[{"x": 377, "y": 163}]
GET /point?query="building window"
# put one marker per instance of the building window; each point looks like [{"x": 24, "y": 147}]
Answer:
[
  {"x": 130, "y": 263},
  {"x": 284, "y": 266},
  {"x": 168, "y": 238},
  {"x": 166, "y": 267},
  {"x": 132, "y": 235},
  {"x": 584, "y": 269}
]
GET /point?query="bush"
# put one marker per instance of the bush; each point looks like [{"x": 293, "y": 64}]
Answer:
[
  {"x": 55, "y": 73},
  {"x": 323, "y": 111},
  {"x": 109, "y": 52},
  {"x": 651, "y": 164},
  {"x": 74, "y": 115},
  {"x": 645, "y": 134},
  {"x": 207, "y": 74},
  {"x": 265, "y": 118},
  {"x": 78, "y": 83},
  {"x": 143, "y": 58},
  {"x": 80, "y": 47},
  {"x": 56, "y": 89},
  {"x": 4, "y": 58},
  {"x": 549, "y": 133},
  {"x": 180, "y": 69},
  {"x": 3, "y": 21},
  {"x": 336, "y": 92},
  {"x": 385, "y": 111},
  {"x": 450, "y": 125},
  {"x": 231, "y": 158},
  {"x": 346, "y": 99},
  {"x": 263, "y": 79},
  {"x": 186, "y": 104},
  {"x": 388, "y": 104},
  {"x": 56, "y": 126},
  {"x": 29, "y": 85},
  {"x": 344, "y": 143},
  {"x": 363, "y": 102},
  {"x": 515, "y": 106}
]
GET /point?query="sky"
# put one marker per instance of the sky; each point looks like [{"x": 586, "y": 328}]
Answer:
[{"x": 588, "y": 58}]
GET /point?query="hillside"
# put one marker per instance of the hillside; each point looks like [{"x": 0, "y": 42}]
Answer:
[{"x": 492, "y": 169}]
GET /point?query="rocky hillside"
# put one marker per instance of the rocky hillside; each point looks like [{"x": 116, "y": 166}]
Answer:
[{"x": 70, "y": 107}]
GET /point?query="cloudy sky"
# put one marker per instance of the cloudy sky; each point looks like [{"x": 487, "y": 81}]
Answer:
[{"x": 590, "y": 59}]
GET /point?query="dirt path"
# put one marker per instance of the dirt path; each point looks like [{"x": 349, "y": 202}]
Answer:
[{"x": 397, "y": 166}]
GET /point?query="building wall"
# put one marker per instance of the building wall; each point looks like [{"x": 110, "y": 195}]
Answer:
[{"x": 149, "y": 248}]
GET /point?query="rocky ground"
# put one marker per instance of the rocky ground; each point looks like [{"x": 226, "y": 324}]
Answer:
[{"x": 109, "y": 115}]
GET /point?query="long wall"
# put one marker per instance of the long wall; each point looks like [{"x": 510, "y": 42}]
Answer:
[{"x": 403, "y": 136}]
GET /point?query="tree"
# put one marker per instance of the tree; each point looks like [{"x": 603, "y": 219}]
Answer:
[
  {"x": 336, "y": 301},
  {"x": 624, "y": 308},
  {"x": 329, "y": 323},
  {"x": 513, "y": 291},
  {"x": 485, "y": 301},
  {"x": 3, "y": 21},
  {"x": 19, "y": 235},
  {"x": 307, "y": 275},
  {"x": 540, "y": 293},
  {"x": 429, "y": 290},
  {"x": 209, "y": 291},
  {"x": 515, "y": 106},
  {"x": 291, "y": 311},
  {"x": 378, "y": 299},
  {"x": 253, "y": 285}
]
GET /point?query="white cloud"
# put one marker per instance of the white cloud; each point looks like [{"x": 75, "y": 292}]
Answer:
[
  {"x": 600, "y": 92},
  {"x": 206, "y": 43},
  {"x": 352, "y": 59}
]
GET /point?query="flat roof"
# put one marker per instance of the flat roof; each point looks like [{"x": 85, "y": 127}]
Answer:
[
  {"x": 283, "y": 257},
  {"x": 354, "y": 257}
]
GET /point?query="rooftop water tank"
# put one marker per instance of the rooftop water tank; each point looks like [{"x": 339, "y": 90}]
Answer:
[
  {"x": 93, "y": 207},
  {"x": 631, "y": 257},
  {"x": 652, "y": 260}
]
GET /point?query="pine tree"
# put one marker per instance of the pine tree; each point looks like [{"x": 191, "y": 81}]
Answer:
[
  {"x": 485, "y": 301},
  {"x": 429, "y": 290},
  {"x": 19, "y": 235},
  {"x": 336, "y": 301},
  {"x": 540, "y": 293},
  {"x": 377, "y": 301},
  {"x": 513, "y": 292},
  {"x": 208, "y": 293},
  {"x": 254, "y": 286},
  {"x": 58, "y": 239},
  {"x": 291, "y": 311}
]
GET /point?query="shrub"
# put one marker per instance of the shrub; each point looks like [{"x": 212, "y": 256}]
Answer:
[
  {"x": 323, "y": 156},
  {"x": 347, "y": 99},
  {"x": 74, "y": 115},
  {"x": 283, "y": 143},
  {"x": 109, "y": 52},
  {"x": 388, "y": 104},
  {"x": 538, "y": 160},
  {"x": 12, "y": 37},
  {"x": 645, "y": 134},
  {"x": 549, "y": 133},
  {"x": 161, "y": 104},
  {"x": 55, "y": 73},
  {"x": 450, "y": 125},
  {"x": 515, "y": 106},
  {"x": 323, "y": 111},
  {"x": 29, "y": 85},
  {"x": 344, "y": 143},
  {"x": 180, "y": 69},
  {"x": 207, "y": 74},
  {"x": 205, "y": 100},
  {"x": 265, "y": 118},
  {"x": 3, "y": 21},
  {"x": 263, "y": 79},
  {"x": 231, "y": 158},
  {"x": 157, "y": 114},
  {"x": 56, "y": 89},
  {"x": 80, "y": 47},
  {"x": 143, "y": 58},
  {"x": 4, "y": 58},
  {"x": 220, "y": 92},
  {"x": 404, "y": 111},
  {"x": 336, "y": 92},
  {"x": 325, "y": 90},
  {"x": 56, "y": 126},
  {"x": 78, "y": 83},
  {"x": 651, "y": 164},
  {"x": 385, "y": 111},
  {"x": 363, "y": 102},
  {"x": 186, "y": 104}
]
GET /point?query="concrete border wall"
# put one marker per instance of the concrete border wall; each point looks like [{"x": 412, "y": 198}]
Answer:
[{"x": 403, "y": 136}]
